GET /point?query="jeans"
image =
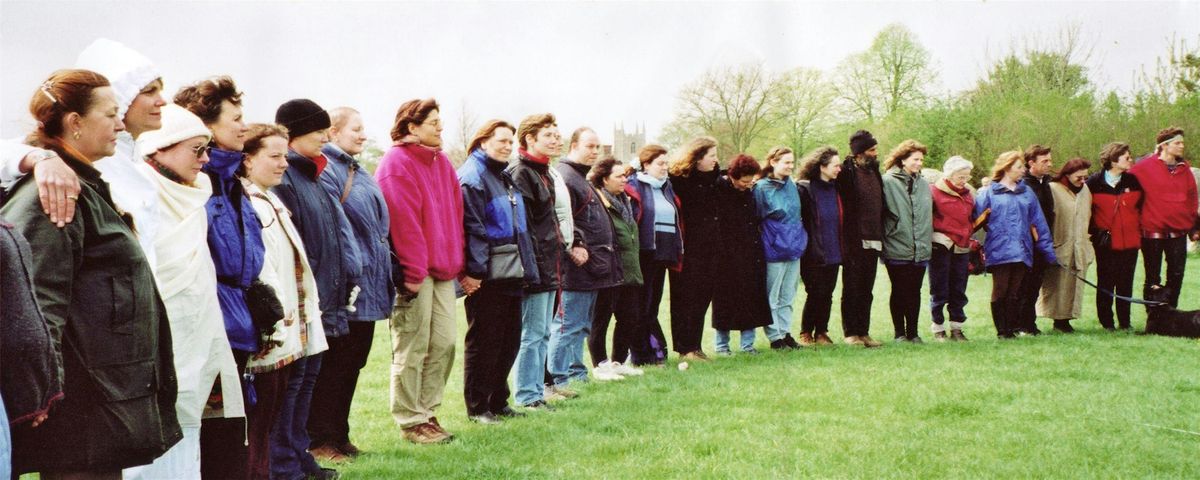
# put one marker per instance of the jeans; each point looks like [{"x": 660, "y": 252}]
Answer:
[
  {"x": 948, "y": 284},
  {"x": 819, "y": 281},
  {"x": 783, "y": 278},
  {"x": 536, "y": 311},
  {"x": 289, "y": 439},
  {"x": 1114, "y": 272},
  {"x": 1153, "y": 251},
  {"x": 5, "y": 444},
  {"x": 859, "y": 266},
  {"x": 569, "y": 329},
  {"x": 722, "y": 340}
]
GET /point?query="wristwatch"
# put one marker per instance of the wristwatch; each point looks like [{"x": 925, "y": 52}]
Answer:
[{"x": 39, "y": 156}]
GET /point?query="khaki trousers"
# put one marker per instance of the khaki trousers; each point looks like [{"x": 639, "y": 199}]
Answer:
[{"x": 423, "y": 336}]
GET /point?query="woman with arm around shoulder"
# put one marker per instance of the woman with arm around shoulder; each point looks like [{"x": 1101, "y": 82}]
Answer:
[
  {"x": 1115, "y": 230},
  {"x": 950, "y": 259},
  {"x": 784, "y": 241},
  {"x": 821, "y": 209},
  {"x": 114, "y": 343},
  {"x": 1015, "y": 228},
  {"x": 907, "y": 235},
  {"x": 693, "y": 175},
  {"x": 1061, "y": 297},
  {"x": 660, "y": 240},
  {"x": 740, "y": 298}
]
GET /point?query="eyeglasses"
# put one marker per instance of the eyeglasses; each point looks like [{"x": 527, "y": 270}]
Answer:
[{"x": 201, "y": 150}]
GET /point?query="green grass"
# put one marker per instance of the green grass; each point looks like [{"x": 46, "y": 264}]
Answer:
[{"x": 1093, "y": 404}]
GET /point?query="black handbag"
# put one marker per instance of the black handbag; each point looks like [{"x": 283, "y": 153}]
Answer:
[
  {"x": 504, "y": 263},
  {"x": 265, "y": 308},
  {"x": 1102, "y": 239}
]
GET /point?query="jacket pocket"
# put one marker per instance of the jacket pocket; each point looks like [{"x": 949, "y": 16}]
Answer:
[
  {"x": 404, "y": 315},
  {"x": 128, "y": 381},
  {"x": 782, "y": 241},
  {"x": 600, "y": 261}
]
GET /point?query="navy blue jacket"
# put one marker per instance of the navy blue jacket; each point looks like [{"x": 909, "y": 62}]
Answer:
[
  {"x": 593, "y": 231},
  {"x": 367, "y": 213},
  {"x": 328, "y": 240},
  {"x": 1012, "y": 215},
  {"x": 235, "y": 241},
  {"x": 493, "y": 216},
  {"x": 667, "y": 249}
]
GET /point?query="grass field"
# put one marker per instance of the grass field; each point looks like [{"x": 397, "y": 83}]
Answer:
[{"x": 1090, "y": 405}]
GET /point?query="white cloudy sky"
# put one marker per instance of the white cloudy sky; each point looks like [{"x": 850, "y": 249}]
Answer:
[{"x": 591, "y": 63}]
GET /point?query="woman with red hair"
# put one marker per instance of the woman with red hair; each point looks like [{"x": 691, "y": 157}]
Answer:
[
  {"x": 740, "y": 291},
  {"x": 1061, "y": 297}
]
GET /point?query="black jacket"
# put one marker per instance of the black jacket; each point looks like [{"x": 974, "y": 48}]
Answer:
[
  {"x": 593, "y": 231},
  {"x": 532, "y": 180},
  {"x": 740, "y": 299},
  {"x": 698, "y": 202},
  {"x": 1041, "y": 188},
  {"x": 847, "y": 186}
]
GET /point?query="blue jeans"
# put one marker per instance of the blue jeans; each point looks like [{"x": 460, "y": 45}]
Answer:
[
  {"x": 536, "y": 311},
  {"x": 948, "y": 284},
  {"x": 783, "y": 278},
  {"x": 289, "y": 437},
  {"x": 722, "y": 340},
  {"x": 569, "y": 329},
  {"x": 5, "y": 445}
]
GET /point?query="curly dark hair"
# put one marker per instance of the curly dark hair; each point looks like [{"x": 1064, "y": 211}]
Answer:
[
  {"x": 204, "y": 98},
  {"x": 810, "y": 166}
]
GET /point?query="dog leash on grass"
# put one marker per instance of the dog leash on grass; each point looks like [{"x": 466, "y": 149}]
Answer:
[{"x": 1112, "y": 294}]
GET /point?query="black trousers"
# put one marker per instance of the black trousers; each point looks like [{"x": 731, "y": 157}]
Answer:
[
  {"x": 654, "y": 274},
  {"x": 1031, "y": 287},
  {"x": 859, "y": 266},
  {"x": 223, "y": 449},
  {"x": 692, "y": 291},
  {"x": 819, "y": 282},
  {"x": 329, "y": 418},
  {"x": 493, "y": 339},
  {"x": 905, "y": 301},
  {"x": 1153, "y": 251},
  {"x": 1114, "y": 272},
  {"x": 625, "y": 303},
  {"x": 1006, "y": 290}
]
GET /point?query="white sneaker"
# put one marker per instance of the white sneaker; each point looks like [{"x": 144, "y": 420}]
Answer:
[
  {"x": 605, "y": 372},
  {"x": 626, "y": 370}
]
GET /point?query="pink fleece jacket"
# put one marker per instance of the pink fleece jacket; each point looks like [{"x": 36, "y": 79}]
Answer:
[{"x": 426, "y": 209}]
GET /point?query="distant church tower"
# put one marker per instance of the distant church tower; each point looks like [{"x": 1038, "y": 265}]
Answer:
[{"x": 626, "y": 145}]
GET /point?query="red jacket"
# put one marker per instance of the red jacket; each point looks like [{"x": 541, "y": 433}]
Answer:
[
  {"x": 1117, "y": 209},
  {"x": 952, "y": 212},
  {"x": 425, "y": 208},
  {"x": 1170, "y": 196}
]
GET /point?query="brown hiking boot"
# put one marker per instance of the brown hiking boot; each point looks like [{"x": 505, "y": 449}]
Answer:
[
  {"x": 939, "y": 337},
  {"x": 329, "y": 453},
  {"x": 823, "y": 339},
  {"x": 870, "y": 342},
  {"x": 438, "y": 426},
  {"x": 696, "y": 356},
  {"x": 565, "y": 392},
  {"x": 806, "y": 340},
  {"x": 349, "y": 449},
  {"x": 957, "y": 336},
  {"x": 425, "y": 434},
  {"x": 854, "y": 340}
]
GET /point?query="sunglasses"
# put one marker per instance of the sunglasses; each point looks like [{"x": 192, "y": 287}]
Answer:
[{"x": 201, "y": 150}]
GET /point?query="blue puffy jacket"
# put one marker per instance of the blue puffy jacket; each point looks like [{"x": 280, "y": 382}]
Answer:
[
  {"x": 778, "y": 201},
  {"x": 493, "y": 216},
  {"x": 235, "y": 241},
  {"x": 367, "y": 213},
  {"x": 328, "y": 240},
  {"x": 1013, "y": 213}
]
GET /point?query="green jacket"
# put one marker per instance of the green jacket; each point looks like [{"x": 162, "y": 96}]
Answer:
[
  {"x": 907, "y": 217},
  {"x": 110, "y": 330},
  {"x": 626, "y": 228}
]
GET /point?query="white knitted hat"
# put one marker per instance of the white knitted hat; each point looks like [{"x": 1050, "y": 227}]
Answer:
[
  {"x": 954, "y": 164},
  {"x": 127, "y": 70},
  {"x": 178, "y": 125}
]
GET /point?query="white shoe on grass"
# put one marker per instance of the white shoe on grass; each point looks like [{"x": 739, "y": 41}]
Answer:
[
  {"x": 626, "y": 369},
  {"x": 605, "y": 372}
]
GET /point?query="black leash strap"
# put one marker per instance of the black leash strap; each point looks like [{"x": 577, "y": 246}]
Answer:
[{"x": 1111, "y": 294}]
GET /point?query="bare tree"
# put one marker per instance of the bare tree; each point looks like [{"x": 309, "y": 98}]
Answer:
[
  {"x": 1176, "y": 75},
  {"x": 731, "y": 104},
  {"x": 467, "y": 124},
  {"x": 894, "y": 72},
  {"x": 801, "y": 105}
]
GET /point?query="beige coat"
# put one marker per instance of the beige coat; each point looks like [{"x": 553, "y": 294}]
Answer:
[
  {"x": 187, "y": 281},
  {"x": 1062, "y": 292}
]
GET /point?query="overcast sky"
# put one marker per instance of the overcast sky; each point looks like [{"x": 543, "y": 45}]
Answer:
[{"x": 591, "y": 63}]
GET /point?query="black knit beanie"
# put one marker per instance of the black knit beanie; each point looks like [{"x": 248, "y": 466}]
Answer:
[
  {"x": 302, "y": 116},
  {"x": 861, "y": 141}
]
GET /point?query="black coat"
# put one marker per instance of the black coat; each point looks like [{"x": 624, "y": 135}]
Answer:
[
  {"x": 1041, "y": 188},
  {"x": 110, "y": 330},
  {"x": 593, "y": 231},
  {"x": 740, "y": 302},
  {"x": 698, "y": 202},
  {"x": 532, "y": 179}
]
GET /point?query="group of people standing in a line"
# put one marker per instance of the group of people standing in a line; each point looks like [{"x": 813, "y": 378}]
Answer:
[{"x": 188, "y": 295}]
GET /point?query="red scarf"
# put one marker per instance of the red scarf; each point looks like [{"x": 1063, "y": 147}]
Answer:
[
  {"x": 535, "y": 158},
  {"x": 321, "y": 162}
]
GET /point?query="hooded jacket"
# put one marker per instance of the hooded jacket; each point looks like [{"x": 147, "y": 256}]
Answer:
[
  {"x": 593, "y": 231},
  {"x": 494, "y": 215},
  {"x": 367, "y": 212},
  {"x": 532, "y": 179},
  {"x": 907, "y": 217},
  {"x": 235, "y": 241},
  {"x": 1013, "y": 213},
  {"x": 626, "y": 229},
  {"x": 1170, "y": 202},
  {"x": 1117, "y": 209},
  {"x": 784, "y": 238},
  {"x": 328, "y": 240}
]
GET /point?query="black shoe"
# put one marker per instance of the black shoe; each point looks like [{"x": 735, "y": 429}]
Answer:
[
  {"x": 540, "y": 405},
  {"x": 485, "y": 418},
  {"x": 900, "y": 339},
  {"x": 791, "y": 342},
  {"x": 780, "y": 344},
  {"x": 324, "y": 474},
  {"x": 916, "y": 340},
  {"x": 1063, "y": 326},
  {"x": 508, "y": 412}
]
